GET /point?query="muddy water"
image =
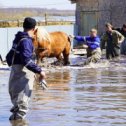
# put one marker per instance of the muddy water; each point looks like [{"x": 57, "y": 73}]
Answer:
[{"x": 75, "y": 97}]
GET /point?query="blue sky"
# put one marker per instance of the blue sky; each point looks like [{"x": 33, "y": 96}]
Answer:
[{"x": 59, "y": 4}]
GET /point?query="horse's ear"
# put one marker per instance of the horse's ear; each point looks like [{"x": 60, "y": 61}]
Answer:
[{"x": 35, "y": 32}]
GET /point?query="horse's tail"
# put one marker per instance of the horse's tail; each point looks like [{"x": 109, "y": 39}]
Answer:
[{"x": 69, "y": 39}]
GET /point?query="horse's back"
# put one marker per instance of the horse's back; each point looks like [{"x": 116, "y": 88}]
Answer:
[
  {"x": 60, "y": 41},
  {"x": 59, "y": 38},
  {"x": 59, "y": 34}
]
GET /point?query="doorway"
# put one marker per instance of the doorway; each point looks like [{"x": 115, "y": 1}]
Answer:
[{"x": 89, "y": 20}]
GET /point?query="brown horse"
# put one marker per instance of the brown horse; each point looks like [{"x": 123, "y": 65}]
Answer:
[{"x": 55, "y": 44}]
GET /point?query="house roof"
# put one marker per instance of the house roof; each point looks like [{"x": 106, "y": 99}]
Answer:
[{"x": 73, "y": 1}]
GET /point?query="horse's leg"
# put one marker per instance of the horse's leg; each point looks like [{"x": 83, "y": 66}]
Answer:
[
  {"x": 39, "y": 60},
  {"x": 66, "y": 54},
  {"x": 66, "y": 59},
  {"x": 41, "y": 55},
  {"x": 60, "y": 60},
  {"x": 59, "y": 57}
]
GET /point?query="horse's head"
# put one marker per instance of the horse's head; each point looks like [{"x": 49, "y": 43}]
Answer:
[{"x": 41, "y": 37}]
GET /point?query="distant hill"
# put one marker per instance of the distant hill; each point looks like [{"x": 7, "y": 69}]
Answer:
[{"x": 20, "y": 13}]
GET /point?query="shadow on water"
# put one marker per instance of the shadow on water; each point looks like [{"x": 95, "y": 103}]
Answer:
[
  {"x": 75, "y": 97},
  {"x": 19, "y": 123}
]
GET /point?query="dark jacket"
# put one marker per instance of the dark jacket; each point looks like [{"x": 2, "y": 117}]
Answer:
[
  {"x": 23, "y": 47},
  {"x": 112, "y": 39},
  {"x": 122, "y": 32}
]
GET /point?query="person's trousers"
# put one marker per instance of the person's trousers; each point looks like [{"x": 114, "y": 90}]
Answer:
[
  {"x": 20, "y": 88},
  {"x": 112, "y": 52},
  {"x": 94, "y": 57},
  {"x": 123, "y": 47}
]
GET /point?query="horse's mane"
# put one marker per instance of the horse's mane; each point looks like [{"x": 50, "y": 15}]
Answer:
[{"x": 42, "y": 34}]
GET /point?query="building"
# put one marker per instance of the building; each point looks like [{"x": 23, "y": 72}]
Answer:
[{"x": 95, "y": 13}]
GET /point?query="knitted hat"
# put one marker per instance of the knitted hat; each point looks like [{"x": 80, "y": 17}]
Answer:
[{"x": 29, "y": 23}]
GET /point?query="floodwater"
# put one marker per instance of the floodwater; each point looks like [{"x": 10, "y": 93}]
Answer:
[{"x": 75, "y": 97}]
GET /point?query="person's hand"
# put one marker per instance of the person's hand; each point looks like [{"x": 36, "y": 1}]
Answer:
[
  {"x": 40, "y": 80},
  {"x": 85, "y": 46},
  {"x": 120, "y": 42},
  {"x": 42, "y": 76},
  {"x": 71, "y": 36}
]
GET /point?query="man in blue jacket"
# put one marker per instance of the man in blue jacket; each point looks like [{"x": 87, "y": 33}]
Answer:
[
  {"x": 23, "y": 69},
  {"x": 92, "y": 44}
]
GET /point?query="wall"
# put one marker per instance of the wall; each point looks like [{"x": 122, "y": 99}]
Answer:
[{"x": 113, "y": 11}]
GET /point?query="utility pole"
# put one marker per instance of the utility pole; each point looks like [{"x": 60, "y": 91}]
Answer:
[{"x": 18, "y": 23}]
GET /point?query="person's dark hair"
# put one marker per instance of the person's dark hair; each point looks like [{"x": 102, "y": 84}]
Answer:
[
  {"x": 29, "y": 23},
  {"x": 124, "y": 25}
]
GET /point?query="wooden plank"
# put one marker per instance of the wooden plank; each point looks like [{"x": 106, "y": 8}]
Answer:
[{"x": 79, "y": 51}]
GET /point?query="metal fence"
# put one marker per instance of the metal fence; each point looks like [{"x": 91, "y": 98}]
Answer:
[{"x": 7, "y": 35}]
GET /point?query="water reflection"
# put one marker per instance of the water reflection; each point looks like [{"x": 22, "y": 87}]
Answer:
[{"x": 75, "y": 97}]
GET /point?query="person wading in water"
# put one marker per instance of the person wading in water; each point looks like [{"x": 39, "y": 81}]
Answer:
[
  {"x": 23, "y": 69},
  {"x": 123, "y": 45},
  {"x": 111, "y": 40},
  {"x": 92, "y": 45}
]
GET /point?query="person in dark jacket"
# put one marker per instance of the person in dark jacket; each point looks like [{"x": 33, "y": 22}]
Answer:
[
  {"x": 23, "y": 69},
  {"x": 92, "y": 44},
  {"x": 111, "y": 40},
  {"x": 123, "y": 32}
]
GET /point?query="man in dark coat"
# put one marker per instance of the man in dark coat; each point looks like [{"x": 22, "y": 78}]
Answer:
[
  {"x": 123, "y": 45},
  {"x": 23, "y": 69},
  {"x": 111, "y": 40}
]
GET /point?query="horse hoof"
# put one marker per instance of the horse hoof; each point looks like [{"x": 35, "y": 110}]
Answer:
[
  {"x": 58, "y": 63},
  {"x": 67, "y": 63}
]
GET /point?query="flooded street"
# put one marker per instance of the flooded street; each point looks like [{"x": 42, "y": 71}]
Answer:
[{"x": 75, "y": 97}]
